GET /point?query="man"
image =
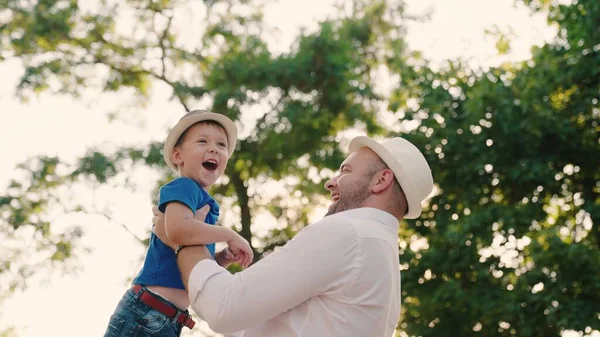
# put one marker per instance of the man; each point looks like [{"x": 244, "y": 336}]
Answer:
[{"x": 336, "y": 277}]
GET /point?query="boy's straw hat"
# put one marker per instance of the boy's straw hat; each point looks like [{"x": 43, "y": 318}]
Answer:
[{"x": 192, "y": 118}]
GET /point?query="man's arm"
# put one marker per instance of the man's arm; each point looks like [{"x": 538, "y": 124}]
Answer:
[
  {"x": 188, "y": 257},
  {"x": 320, "y": 258}
]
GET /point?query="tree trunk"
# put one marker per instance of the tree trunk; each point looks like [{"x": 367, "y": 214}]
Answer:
[{"x": 243, "y": 199}]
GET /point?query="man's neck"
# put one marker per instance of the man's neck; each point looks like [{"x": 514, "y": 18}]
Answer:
[{"x": 378, "y": 203}]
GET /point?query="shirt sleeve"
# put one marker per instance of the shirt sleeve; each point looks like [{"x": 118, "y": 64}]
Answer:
[
  {"x": 183, "y": 190},
  {"x": 320, "y": 258}
]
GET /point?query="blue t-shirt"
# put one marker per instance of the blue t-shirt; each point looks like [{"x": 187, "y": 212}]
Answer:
[{"x": 160, "y": 266}]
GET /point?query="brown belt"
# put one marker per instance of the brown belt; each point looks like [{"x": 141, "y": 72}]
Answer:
[{"x": 156, "y": 303}]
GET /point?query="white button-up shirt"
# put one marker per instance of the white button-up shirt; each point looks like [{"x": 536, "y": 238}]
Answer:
[{"x": 337, "y": 277}]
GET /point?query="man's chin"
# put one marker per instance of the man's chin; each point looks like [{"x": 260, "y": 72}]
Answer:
[{"x": 332, "y": 209}]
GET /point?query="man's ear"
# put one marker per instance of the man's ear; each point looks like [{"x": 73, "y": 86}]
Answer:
[
  {"x": 176, "y": 156},
  {"x": 383, "y": 181}
]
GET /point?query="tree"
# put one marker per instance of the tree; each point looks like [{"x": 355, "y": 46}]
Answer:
[
  {"x": 507, "y": 246},
  {"x": 7, "y": 332},
  {"x": 510, "y": 244},
  {"x": 305, "y": 97}
]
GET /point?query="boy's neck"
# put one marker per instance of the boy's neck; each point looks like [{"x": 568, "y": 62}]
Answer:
[{"x": 206, "y": 188}]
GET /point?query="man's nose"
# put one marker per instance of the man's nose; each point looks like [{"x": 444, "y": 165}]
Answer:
[{"x": 331, "y": 183}]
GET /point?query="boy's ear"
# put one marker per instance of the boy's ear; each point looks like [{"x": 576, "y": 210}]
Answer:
[{"x": 176, "y": 156}]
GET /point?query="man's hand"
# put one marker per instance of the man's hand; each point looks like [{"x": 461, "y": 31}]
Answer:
[
  {"x": 159, "y": 224},
  {"x": 159, "y": 227},
  {"x": 241, "y": 250},
  {"x": 225, "y": 258}
]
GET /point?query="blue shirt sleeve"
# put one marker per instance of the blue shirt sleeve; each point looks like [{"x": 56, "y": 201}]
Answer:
[{"x": 183, "y": 190}]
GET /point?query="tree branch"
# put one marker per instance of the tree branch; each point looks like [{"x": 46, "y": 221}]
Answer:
[
  {"x": 161, "y": 43},
  {"x": 263, "y": 119},
  {"x": 110, "y": 218}
]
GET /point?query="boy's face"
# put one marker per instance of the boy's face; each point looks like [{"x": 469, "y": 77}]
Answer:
[{"x": 202, "y": 154}]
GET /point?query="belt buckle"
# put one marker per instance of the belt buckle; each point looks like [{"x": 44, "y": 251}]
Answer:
[
  {"x": 178, "y": 314},
  {"x": 187, "y": 321},
  {"x": 176, "y": 318}
]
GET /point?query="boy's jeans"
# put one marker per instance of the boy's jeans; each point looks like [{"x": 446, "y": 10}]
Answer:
[{"x": 134, "y": 318}]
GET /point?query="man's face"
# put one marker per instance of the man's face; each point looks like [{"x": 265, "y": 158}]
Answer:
[
  {"x": 203, "y": 155},
  {"x": 351, "y": 187}
]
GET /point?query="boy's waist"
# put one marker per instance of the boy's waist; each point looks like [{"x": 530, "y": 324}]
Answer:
[
  {"x": 163, "y": 306},
  {"x": 176, "y": 296}
]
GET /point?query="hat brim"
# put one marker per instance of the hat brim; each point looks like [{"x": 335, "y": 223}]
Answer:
[
  {"x": 414, "y": 204},
  {"x": 188, "y": 121}
]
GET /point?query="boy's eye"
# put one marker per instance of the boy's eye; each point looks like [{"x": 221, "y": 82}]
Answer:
[
  {"x": 202, "y": 141},
  {"x": 222, "y": 144}
]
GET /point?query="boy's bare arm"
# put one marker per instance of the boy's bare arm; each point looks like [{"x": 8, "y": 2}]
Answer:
[{"x": 182, "y": 229}]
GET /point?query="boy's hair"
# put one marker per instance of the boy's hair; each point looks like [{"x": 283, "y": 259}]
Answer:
[{"x": 205, "y": 122}]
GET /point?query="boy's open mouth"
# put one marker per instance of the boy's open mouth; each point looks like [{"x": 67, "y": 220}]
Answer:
[{"x": 210, "y": 164}]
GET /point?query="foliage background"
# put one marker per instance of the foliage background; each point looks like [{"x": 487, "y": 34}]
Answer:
[{"x": 507, "y": 246}]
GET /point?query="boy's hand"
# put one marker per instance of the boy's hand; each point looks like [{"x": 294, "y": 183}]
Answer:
[{"x": 241, "y": 250}]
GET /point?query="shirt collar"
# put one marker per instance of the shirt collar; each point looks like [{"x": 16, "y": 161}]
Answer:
[{"x": 370, "y": 213}]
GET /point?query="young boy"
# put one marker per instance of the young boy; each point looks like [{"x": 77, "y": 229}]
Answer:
[{"x": 198, "y": 149}]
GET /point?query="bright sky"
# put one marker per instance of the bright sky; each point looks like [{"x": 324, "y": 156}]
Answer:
[{"x": 81, "y": 304}]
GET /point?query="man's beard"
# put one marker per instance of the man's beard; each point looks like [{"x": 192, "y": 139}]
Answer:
[{"x": 352, "y": 198}]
